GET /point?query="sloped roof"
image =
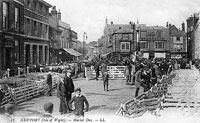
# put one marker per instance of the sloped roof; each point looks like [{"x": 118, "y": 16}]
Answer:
[
  {"x": 72, "y": 52},
  {"x": 112, "y": 28},
  {"x": 178, "y": 33},
  {"x": 63, "y": 25}
]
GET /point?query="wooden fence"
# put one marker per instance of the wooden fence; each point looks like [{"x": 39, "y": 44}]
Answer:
[
  {"x": 148, "y": 101},
  {"x": 20, "y": 94},
  {"x": 115, "y": 72}
]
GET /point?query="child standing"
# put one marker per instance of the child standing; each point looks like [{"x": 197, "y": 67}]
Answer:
[
  {"x": 105, "y": 80},
  {"x": 79, "y": 101}
]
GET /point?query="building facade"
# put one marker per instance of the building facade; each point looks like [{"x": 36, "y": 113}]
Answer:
[
  {"x": 11, "y": 34},
  {"x": 63, "y": 39},
  {"x": 36, "y": 28},
  {"x": 123, "y": 43},
  {"x": 115, "y": 37},
  {"x": 178, "y": 42},
  {"x": 154, "y": 41}
]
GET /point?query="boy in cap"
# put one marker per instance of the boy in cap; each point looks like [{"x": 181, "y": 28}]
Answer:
[
  {"x": 48, "y": 108},
  {"x": 79, "y": 101}
]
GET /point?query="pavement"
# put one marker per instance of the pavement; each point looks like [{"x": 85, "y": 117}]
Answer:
[{"x": 101, "y": 102}]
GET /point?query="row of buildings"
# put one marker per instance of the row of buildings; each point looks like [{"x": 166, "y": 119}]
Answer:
[
  {"x": 122, "y": 40},
  {"x": 30, "y": 34}
]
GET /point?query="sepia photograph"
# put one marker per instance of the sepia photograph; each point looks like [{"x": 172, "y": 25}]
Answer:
[{"x": 99, "y": 61}]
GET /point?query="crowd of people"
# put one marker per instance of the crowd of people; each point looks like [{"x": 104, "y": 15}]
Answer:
[{"x": 143, "y": 73}]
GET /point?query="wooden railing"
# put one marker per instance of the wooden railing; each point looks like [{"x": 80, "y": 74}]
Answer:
[
  {"x": 150, "y": 100},
  {"x": 115, "y": 72},
  {"x": 20, "y": 94}
]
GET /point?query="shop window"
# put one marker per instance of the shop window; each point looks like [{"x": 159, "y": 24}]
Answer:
[{"x": 159, "y": 45}]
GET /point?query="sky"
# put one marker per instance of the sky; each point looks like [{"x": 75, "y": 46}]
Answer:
[{"x": 89, "y": 15}]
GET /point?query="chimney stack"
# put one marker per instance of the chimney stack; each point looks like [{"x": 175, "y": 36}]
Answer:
[
  {"x": 167, "y": 24},
  {"x": 183, "y": 26},
  {"x": 54, "y": 12},
  {"x": 59, "y": 15}
]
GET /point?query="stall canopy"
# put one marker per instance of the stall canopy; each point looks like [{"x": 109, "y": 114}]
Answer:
[{"x": 72, "y": 51}]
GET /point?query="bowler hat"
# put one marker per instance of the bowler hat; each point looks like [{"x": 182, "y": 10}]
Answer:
[
  {"x": 78, "y": 89},
  {"x": 48, "y": 107}
]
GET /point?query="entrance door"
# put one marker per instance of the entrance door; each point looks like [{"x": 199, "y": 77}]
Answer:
[
  {"x": 8, "y": 57},
  {"x": 27, "y": 55}
]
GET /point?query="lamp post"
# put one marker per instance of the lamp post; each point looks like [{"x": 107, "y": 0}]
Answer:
[{"x": 84, "y": 39}]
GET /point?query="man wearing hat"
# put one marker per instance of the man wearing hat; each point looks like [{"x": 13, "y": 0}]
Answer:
[
  {"x": 69, "y": 86},
  {"x": 80, "y": 102},
  {"x": 138, "y": 80},
  {"x": 49, "y": 84},
  {"x": 48, "y": 108},
  {"x": 61, "y": 94}
]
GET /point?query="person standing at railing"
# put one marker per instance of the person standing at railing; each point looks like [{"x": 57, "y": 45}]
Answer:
[
  {"x": 127, "y": 73},
  {"x": 132, "y": 73},
  {"x": 138, "y": 79},
  {"x": 49, "y": 84}
]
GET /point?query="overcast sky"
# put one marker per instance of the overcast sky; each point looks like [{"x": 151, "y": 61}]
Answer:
[{"x": 89, "y": 15}]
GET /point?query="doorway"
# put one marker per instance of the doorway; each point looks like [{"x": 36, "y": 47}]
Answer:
[{"x": 8, "y": 58}]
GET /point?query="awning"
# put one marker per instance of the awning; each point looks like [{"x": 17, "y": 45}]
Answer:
[
  {"x": 72, "y": 51},
  {"x": 106, "y": 54}
]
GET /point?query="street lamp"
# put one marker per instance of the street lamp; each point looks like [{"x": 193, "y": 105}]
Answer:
[{"x": 84, "y": 39}]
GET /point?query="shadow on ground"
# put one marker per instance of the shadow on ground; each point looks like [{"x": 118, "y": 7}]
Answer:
[{"x": 96, "y": 107}]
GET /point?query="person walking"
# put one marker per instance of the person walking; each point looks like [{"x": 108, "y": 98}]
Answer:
[
  {"x": 49, "y": 84},
  {"x": 69, "y": 86},
  {"x": 138, "y": 79},
  {"x": 61, "y": 94}
]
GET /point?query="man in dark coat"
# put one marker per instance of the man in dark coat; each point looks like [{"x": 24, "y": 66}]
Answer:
[
  {"x": 103, "y": 68},
  {"x": 96, "y": 68},
  {"x": 49, "y": 85},
  {"x": 61, "y": 91},
  {"x": 69, "y": 86},
  {"x": 138, "y": 79}
]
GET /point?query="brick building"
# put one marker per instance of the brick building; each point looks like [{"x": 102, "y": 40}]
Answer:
[
  {"x": 36, "y": 28},
  {"x": 11, "y": 34}
]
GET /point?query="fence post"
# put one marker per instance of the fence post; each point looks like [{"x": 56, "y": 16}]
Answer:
[
  {"x": 27, "y": 69},
  {"x": 19, "y": 71},
  {"x": 86, "y": 73},
  {"x": 8, "y": 72}
]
